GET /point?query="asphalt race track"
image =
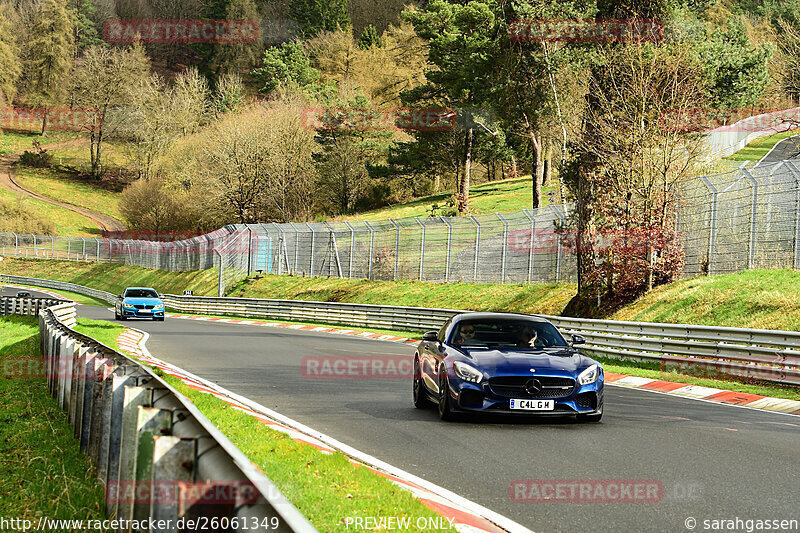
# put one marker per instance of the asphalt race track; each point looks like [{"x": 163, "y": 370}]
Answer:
[
  {"x": 714, "y": 461},
  {"x": 785, "y": 149}
]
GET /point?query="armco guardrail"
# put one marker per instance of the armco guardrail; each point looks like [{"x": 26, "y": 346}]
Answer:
[
  {"x": 771, "y": 355},
  {"x": 763, "y": 354},
  {"x": 10, "y": 305},
  {"x": 157, "y": 456}
]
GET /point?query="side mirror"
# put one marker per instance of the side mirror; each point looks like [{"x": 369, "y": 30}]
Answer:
[
  {"x": 431, "y": 336},
  {"x": 578, "y": 339},
  {"x": 120, "y": 297}
]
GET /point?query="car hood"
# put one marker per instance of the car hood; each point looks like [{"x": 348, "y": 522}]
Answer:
[
  {"x": 514, "y": 362},
  {"x": 142, "y": 301}
]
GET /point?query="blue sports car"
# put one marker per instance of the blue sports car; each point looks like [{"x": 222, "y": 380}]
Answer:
[
  {"x": 506, "y": 363},
  {"x": 139, "y": 302}
]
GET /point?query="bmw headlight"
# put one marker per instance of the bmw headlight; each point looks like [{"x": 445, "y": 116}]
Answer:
[
  {"x": 467, "y": 373},
  {"x": 158, "y": 307},
  {"x": 128, "y": 306},
  {"x": 589, "y": 375}
]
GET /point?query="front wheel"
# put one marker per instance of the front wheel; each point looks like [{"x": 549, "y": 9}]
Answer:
[
  {"x": 445, "y": 413},
  {"x": 420, "y": 398}
]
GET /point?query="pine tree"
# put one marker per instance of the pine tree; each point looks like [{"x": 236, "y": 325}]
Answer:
[
  {"x": 315, "y": 16},
  {"x": 369, "y": 38},
  {"x": 10, "y": 63},
  {"x": 49, "y": 54}
]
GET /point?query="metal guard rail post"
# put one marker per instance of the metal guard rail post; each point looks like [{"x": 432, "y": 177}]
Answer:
[
  {"x": 766, "y": 354},
  {"x": 148, "y": 440}
]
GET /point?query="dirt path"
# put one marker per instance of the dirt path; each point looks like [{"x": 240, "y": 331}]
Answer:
[{"x": 7, "y": 181}]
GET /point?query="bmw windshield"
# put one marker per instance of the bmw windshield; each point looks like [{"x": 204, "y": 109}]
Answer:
[
  {"x": 516, "y": 334},
  {"x": 140, "y": 293}
]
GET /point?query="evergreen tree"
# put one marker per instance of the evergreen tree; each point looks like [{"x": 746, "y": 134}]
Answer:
[
  {"x": 236, "y": 57},
  {"x": 369, "y": 38},
  {"x": 49, "y": 53},
  {"x": 315, "y": 16},
  {"x": 10, "y": 63},
  {"x": 85, "y": 30},
  {"x": 286, "y": 64}
]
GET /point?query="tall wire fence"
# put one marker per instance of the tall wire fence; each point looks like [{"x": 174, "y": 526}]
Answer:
[{"x": 742, "y": 219}]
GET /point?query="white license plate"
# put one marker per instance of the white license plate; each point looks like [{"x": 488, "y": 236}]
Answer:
[
  {"x": 533, "y": 405},
  {"x": 145, "y": 311}
]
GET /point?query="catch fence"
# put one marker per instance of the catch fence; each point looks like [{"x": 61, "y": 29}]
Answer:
[{"x": 743, "y": 219}]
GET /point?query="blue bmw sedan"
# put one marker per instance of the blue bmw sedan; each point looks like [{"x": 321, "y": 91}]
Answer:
[
  {"x": 506, "y": 363},
  {"x": 139, "y": 302}
]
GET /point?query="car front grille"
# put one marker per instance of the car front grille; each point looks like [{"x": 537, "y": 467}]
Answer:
[
  {"x": 532, "y": 386},
  {"x": 140, "y": 307}
]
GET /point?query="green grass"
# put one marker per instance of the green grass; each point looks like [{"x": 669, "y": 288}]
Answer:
[
  {"x": 64, "y": 186},
  {"x": 101, "y": 331},
  {"x": 114, "y": 155},
  {"x": 112, "y": 277},
  {"x": 765, "y": 299},
  {"x": 42, "y": 470},
  {"x": 758, "y": 148},
  {"x": 543, "y": 298},
  {"x": 66, "y": 221},
  {"x": 500, "y": 196},
  {"x": 326, "y": 488},
  {"x": 16, "y": 140}
]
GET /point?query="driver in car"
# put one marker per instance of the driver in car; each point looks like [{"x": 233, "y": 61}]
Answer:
[
  {"x": 528, "y": 338},
  {"x": 466, "y": 334}
]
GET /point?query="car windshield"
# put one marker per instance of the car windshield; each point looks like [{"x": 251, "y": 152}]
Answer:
[
  {"x": 506, "y": 334},
  {"x": 141, "y": 293}
]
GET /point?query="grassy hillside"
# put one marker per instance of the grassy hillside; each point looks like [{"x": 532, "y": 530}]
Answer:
[
  {"x": 500, "y": 196},
  {"x": 65, "y": 221},
  {"x": 62, "y": 185},
  {"x": 756, "y": 298},
  {"x": 15, "y": 140},
  {"x": 752, "y": 299},
  {"x": 113, "y": 278}
]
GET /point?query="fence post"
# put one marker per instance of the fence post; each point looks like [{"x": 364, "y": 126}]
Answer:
[
  {"x": 530, "y": 242},
  {"x": 220, "y": 283},
  {"x": 712, "y": 233},
  {"x": 796, "y": 175},
  {"x": 53, "y": 246},
  {"x": 35, "y": 250},
  {"x": 449, "y": 240},
  {"x": 352, "y": 249},
  {"x": 249, "y": 250},
  {"x": 477, "y": 247},
  {"x": 753, "y": 212},
  {"x": 335, "y": 251},
  {"x": 558, "y": 241},
  {"x": 421, "y": 248},
  {"x": 311, "y": 263},
  {"x": 97, "y": 241},
  {"x": 396, "y": 246},
  {"x": 505, "y": 247},
  {"x": 371, "y": 246}
]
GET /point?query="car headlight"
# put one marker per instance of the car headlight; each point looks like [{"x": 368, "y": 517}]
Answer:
[
  {"x": 467, "y": 373},
  {"x": 589, "y": 375},
  {"x": 159, "y": 306},
  {"x": 128, "y": 306}
]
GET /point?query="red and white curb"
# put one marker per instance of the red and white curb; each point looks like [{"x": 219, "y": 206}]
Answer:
[
  {"x": 320, "y": 329},
  {"x": 708, "y": 394},
  {"x": 464, "y": 515},
  {"x": 694, "y": 392}
]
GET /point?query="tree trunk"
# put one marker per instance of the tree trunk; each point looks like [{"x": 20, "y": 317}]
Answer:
[
  {"x": 537, "y": 171},
  {"x": 548, "y": 164},
  {"x": 44, "y": 122},
  {"x": 437, "y": 182},
  {"x": 463, "y": 201},
  {"x": 513, "y": 167}
]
